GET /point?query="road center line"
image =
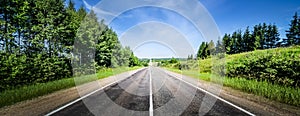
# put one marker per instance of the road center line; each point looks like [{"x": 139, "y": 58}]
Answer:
[{"x": 150, "y": 95}]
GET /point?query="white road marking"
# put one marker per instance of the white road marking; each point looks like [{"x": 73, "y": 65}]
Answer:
[
  {"x": 77, "y": 100},
  {"x": 73, "y": 102},
  {"x": 221, "y": 99},
  {"x": 151, "y": 99}
]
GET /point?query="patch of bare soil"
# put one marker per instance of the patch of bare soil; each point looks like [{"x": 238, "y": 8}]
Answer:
[{"x": 40, "y": 105}]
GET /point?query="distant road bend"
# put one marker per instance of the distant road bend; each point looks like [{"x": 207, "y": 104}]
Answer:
[{"x": 150, "y": 91}]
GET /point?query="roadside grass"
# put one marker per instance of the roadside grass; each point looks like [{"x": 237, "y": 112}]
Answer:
[
  {"x": 191, "y": 73},
  {"x": 12, "y": 96},
  {"x": 284, "y": 94}
]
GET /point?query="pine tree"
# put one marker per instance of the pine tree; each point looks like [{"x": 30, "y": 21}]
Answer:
[
  {"x": 220, "y": 47},
  {"x": 293, "y": 34},
  {"x": 247, "y": 40},
  {"x": 234, "y": 48},
  {"x": 211, "y": 48},
  {"x": 268, "y": 37},
  {"x": 240, "y": 42},
  {"x": 201, "y": 50},
  {"x": 274, "y": 36},
  {"x": 255, "y": 38},
  {"x": 205, "y": 52},
  {"x": 81, "y": 13},
  {"x": 227, "y": 42},
  {"x": 71, "y": 23},
  {"x": 262, "y": 29}
]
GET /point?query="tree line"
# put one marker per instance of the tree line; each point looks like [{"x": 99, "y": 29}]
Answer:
[
  {"x": 37, "y": 39},
  {"x": 263, "y": 36}
]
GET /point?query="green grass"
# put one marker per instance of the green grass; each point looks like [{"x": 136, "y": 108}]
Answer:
[
  {"x": 13, "y": 96},
  {"x": 271, "y": 73},
  {"x": 275, "y": 92}
]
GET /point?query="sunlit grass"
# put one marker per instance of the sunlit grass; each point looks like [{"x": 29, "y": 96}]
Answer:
[
  {"x": 284, "y": 94},
  {"x": 12, "y": 96}
]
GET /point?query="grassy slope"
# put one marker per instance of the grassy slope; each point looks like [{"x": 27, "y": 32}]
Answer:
[
  {"x": 9, "y": 97},
  {"x": 275, "y": 92}
]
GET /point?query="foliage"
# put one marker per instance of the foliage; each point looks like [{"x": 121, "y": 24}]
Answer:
[
  {"x": 37, "y": 42},
  {"x": 280, "y": 66},
  {"x": 203, "y": 51},
  {"x": 38, "y": 89},
  {"x": 293, "y": 34},
  {"x": 288, "y": 95}
]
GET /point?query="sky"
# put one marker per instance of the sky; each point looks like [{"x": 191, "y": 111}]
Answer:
[{"x": 153, "y": 31}]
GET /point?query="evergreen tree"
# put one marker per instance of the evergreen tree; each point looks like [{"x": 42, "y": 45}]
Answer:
[
  {"x": 71, "y": 23},
  {"x": 211, "y": 48},
  {"x": 81, "y": 13},
  {"x": 255, "y": 38},
  {"x": 293, "y": 34},
  {"x": 233, "y": 48},
  {"x": 203, "y": 50},
  {"x": 268, "y": 37},
  {"x": 247, "y": 40},
  {"x": 274, "y": 36},
  {"x": 227, "y": 42},
  {"x": 220, "y": 47},
  {"x": 263, "y": 34}
]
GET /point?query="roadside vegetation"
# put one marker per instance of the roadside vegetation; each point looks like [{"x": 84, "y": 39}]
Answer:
[
  {"x": 41, "y": 51},
  {"x": 272, "y": 73},
  {"x": 28, "y": 92},
  {"x": 257, "y": 62}
]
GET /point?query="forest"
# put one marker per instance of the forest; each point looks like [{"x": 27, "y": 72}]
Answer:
[
  {"x": 263, "y": 36},
  {"x": 37, "y": 39}
]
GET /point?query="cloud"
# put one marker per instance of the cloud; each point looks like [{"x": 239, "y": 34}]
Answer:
[
  {"x": 191, "y": 10},
  {"x": 97, "y": 10},
  {"x": 159, "y": 33},
  {"x": 87, "y": 5}
]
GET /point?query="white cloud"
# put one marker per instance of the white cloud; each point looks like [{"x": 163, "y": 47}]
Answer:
[
  {"x": 159, "y": 33},
  {"x": 97, "y": 10},
  {"x": 87, "y": 5},
  {"x": 192, "y": 10}
]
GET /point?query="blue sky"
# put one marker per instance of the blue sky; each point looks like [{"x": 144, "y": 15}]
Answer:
[{"x": 229, "y": 15}]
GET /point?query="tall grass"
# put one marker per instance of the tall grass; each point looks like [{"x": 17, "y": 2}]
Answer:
[
  {"x": 9, "y": 97},
  {"x": 284, "y": 94}
]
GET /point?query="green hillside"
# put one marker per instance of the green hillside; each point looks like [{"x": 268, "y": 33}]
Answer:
[{"x": 272, "y": 73}]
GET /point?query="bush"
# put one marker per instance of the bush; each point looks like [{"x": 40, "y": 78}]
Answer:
[
  {"x": 280, "y": 66},
  {"x": 20, "y": 70}
]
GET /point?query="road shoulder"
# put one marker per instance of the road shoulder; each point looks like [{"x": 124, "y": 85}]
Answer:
[
  {"x": 255, "y": 104},
  {"x": 44, "y": 104}
]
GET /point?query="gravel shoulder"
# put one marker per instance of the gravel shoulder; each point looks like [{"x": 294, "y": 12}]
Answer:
[{"x": 44, "y": 104}]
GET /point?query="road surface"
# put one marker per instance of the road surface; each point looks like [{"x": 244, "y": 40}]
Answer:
[{"x": 151, "y": 91}]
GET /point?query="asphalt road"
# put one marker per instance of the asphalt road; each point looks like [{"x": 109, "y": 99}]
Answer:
[{"x": 132, "y": 96}]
